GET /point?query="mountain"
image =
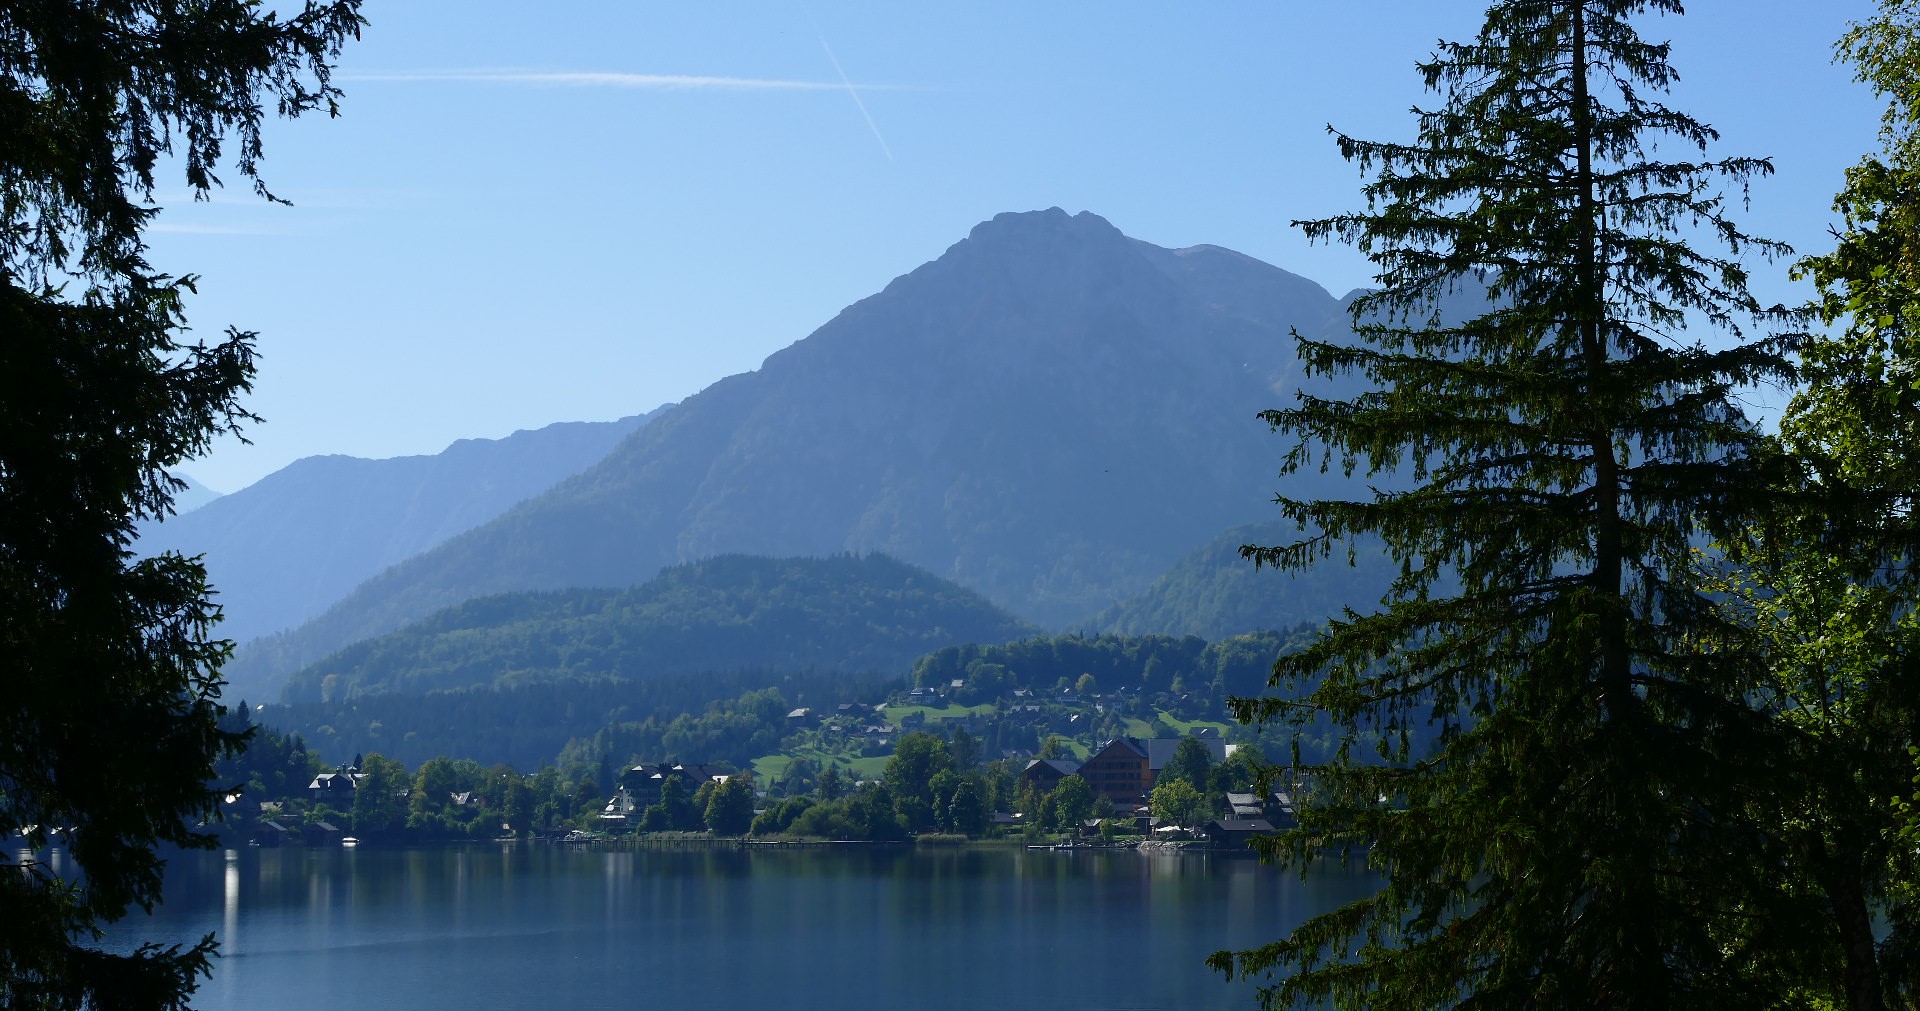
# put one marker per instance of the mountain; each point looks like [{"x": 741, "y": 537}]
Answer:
[
  {"x": 1213, "y": 593},
  {"x": 193, "y": 496},
  {"x": 280, "y": 550},
  {"x": 1050, "y": 413},
  {"x": 734, "y": 612}
]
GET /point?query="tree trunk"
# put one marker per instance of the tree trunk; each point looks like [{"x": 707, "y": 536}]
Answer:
[{"x": 1848, "y": 899}]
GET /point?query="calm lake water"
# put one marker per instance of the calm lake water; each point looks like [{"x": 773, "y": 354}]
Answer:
[{"x": 527, "y": 926}]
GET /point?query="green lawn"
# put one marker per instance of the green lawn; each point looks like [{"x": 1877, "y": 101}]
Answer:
[
  {"x": 1185, "y": 727},
  {"x": 895, "y": 714},
  {"x": 769, "y": 768}
]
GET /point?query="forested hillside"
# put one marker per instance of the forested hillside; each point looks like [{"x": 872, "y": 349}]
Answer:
[
  {"x": 865, "y": 614},
  {"x": 1082, "y": 688},
  {"x": 1147, "y": 664},
  {"x": 1214, "y": 593}
]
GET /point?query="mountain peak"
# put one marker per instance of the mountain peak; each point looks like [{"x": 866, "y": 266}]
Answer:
[{"x": 1050, "y": 224}]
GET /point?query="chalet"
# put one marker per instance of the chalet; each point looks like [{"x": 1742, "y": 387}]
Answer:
[
  {"x": 272, "y": 833},
  {"x": 321, "y": 833},
  {"x": 1118, "y": 771},
  {"x": 801, "y": 715},
  {"x": 1246, "y": 805},
  {"x": 697, "y": 773},
  {"x": 335, "y": 788},
  {"x": 1043, "y": 774},
  {"x": 643, "y": 782},
  {"x": 1124, "y": 769},
  {"x": 1280, "y": 809},
  {"x": 1236, "y": 833}
]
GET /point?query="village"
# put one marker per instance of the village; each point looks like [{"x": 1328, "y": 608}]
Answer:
[{"x": 918, "y": 765}]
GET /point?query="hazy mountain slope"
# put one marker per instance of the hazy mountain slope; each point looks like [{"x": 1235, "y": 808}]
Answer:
[
  {"x": 282, "y": 549},
  {"x": 783, "y": 615},
  {"x": 1050, "y": 413},
  {"x": 1214, "y": 593},
  {"x": 193, "y": 496}
]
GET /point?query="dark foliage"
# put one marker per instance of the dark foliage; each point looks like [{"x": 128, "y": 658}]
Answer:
[
  {"x": 529, "y": 725},
  {"x": 1148, "y": 663},
  {"x": 1576, "y": 840},
  {"x": 109, "y": 730}
]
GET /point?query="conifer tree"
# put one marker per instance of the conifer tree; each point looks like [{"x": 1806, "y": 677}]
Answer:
[
  {"x": 110, "y": 721},
  {"x": 1573, "y": 838}
]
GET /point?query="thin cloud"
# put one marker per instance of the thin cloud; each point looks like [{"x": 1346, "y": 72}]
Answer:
[
  {"x": 857, "y": 100},
  {"x": 613, "y": 79},
  {"x": 177, "y": 228}
]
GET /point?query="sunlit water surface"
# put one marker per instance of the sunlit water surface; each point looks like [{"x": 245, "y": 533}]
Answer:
[{"x": 533, "y": 926}]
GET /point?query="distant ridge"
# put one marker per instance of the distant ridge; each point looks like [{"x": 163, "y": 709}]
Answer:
[
  {"x": 1213, "y": 593},
  {"x": 282, "y": 549},
  {"x": 193, "y": 496},
  {"x": 1050, "y": 413}
]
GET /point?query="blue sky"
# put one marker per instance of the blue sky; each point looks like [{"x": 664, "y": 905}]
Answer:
[{"x": 581, "y": 210}]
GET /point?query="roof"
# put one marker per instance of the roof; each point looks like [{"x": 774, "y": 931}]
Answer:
[
  {"x": 1065, "y": 767},
  {"x": 1240, "y": 825},
  {"x": 1137, "y": 747}
]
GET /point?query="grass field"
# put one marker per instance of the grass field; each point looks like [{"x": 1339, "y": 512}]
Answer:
[
  {"x": 895, "y": 714},
  {"x": 769, "y": 768},
  {"x": 1185, "y": 727}
]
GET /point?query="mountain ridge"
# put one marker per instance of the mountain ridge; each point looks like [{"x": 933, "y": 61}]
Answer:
[
  {"x": 281, "y": 549},
  {"x": 1049, "y": 412}
]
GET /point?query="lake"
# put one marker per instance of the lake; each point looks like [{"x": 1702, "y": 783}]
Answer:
[{"x": 834, "y": 927}]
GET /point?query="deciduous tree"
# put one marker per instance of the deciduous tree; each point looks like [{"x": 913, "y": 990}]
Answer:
[
  {"x": 1178, "y": 802},
  {"x": 1826, "y": 584},
  {"x": 965, "y": 813},
  {"x": 1072, "y": 803},
  {"x": 730, "y": 807},
  {"x": 380, "y": 800}
]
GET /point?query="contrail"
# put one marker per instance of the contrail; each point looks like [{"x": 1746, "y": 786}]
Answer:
[{"x": 855, "y": 92}]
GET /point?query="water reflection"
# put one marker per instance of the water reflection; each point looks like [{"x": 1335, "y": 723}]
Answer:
[
  {"x": 230, "y": 921},
  {"x": 825, "y": 927}
]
